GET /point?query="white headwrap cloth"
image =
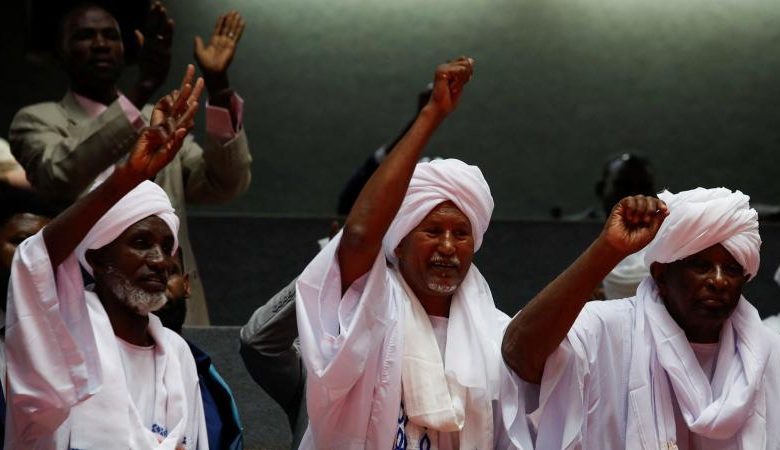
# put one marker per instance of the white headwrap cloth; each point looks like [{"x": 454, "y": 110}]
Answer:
[
  {"x": 147, "y": 199},
  {"x": 439, "y": 181},
  {"x": 701, "y": 218},
  {"x": 732, "y": 405},
  {"x": 458, "y": 398}
]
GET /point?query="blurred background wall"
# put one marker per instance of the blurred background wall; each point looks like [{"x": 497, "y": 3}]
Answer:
[{"x": 559, "y": 85}]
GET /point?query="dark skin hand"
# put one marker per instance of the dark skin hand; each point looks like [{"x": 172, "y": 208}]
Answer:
[
  {"x": 154, "y": 58},
  {"x": 381, "y": 197},
  {"x": 171, "y": 120},
  {"x": 539, "y": 328},
  {"x": 215, "y": 57}
]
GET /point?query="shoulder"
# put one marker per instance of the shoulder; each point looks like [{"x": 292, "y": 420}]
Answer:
[
  {"x": 608, "y": 311},
  {"x": 175, "y": 342},
  {"x": 39, "y": 111},
  {"x": 608, "y": 317},
  {"x": 180, "y": 349}
]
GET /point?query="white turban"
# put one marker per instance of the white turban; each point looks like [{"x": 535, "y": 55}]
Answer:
[
  {"x": 147, "y": 199},
  {"x": 701, "y": 218},
  {"x": 436, "y": 182}
]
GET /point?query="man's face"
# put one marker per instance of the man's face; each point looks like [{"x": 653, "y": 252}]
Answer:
[
  {"x": 701, "y": 291},
  {"x": 436, "y": 255},
  {"x": 18, "y": 228},
  {"x": 92, "y": 49},
  {"x": 135, "y": 267}
]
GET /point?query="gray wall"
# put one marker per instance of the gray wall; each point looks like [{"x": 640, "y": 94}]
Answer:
[{"x": 559, "y": 85}]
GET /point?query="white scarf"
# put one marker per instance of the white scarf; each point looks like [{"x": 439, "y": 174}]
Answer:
[
  {"x": 111, "y": 411},
  {"x": 456, "y": 393},
  {"x": 733, "y": 405},
  {"x": 458, "y": 398}
]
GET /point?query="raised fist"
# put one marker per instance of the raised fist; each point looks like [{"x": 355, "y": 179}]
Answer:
[
  {"x": 634, "y": 222},
  {"x": 448, "y": 84}
]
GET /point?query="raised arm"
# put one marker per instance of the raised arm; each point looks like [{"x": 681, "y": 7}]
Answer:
[
  {"x": 171, "y": 121},
  {"x": 538, "y": 329},
  {"x": 378, "y": 202},
  {"x": 154, "y": 56}
]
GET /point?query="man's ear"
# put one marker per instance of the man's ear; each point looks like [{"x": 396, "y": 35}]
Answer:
[
  {"x": 186, "y": 280},
  {"x": 658, "y": 272},
  {"x": 95, "y": 259}
]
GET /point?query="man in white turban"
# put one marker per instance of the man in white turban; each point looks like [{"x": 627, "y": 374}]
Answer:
[
  {"x": 399, "y": 332},
  {"x": 91, "y": 368},
  {"x": 685, "y": 364}
]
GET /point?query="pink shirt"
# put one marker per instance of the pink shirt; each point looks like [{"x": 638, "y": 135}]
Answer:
[{"x": 218, "y": 121}]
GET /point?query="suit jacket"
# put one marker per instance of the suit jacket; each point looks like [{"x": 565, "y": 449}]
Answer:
[
  {"x": 272, "y": 355},
  {"x": 63, "y": 150}
]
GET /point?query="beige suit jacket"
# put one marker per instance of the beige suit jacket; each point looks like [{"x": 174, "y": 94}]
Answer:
[{"x": 63, "y": 150}]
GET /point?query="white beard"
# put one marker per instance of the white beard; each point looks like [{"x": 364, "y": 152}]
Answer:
[
  {"x": 139, "y": 300},
  {"x": 442, "y": 288}
]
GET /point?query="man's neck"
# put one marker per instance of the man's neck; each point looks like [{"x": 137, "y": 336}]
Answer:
[
  {"x": 703, "y": 336},
  {"x": 102, "y": 94},
  {"x": 436, "y": 306},
  {"x": 127, "y": 324}
]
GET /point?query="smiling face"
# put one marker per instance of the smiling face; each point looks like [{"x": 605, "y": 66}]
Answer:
[
  {"x": 135, "y": 267},
  {"x": 436, "y": 255},
  {"x": 701, "y": 291}
]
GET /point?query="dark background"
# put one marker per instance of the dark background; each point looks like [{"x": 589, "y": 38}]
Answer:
[{"x": 559, "y": 85}]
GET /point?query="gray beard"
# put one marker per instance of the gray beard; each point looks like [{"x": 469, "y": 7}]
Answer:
[
  {"x": 137, "y": 299},
  {"x": 442, "y": 288}
]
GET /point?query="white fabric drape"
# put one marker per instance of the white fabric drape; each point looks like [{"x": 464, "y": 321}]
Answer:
[
  {"x": 664, "y": 367},
  {"x": 146, "y": 199},
  {"x": 700, "y": 218},
  {"x": 353, "y": 346},
  {"x": 66, "y": 386},
  {"x": 65, "y": 379},
  {"x": 436, "y": 182}
]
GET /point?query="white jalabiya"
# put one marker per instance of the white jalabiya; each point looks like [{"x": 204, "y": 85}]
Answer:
[
  {"x": 357, "y": 346},
  {"x": 589, "y": 392},
  {"x": 626, "y": 368},
  {"x": 66, "y": 383}
]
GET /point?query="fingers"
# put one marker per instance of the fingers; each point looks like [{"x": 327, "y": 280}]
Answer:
[
  {"x": 159, "y": 26},
  {"x": 641, "y": 211},
  {"x": 139, "y": 37},
  {"x": 189, "y": 73},
  {"x": 220, "y": 27},
  {"x": 230, "y": 25},
  {"x": 199, "y": 46},
  {"x": 240, "y": 25},
  {"x": 457, "y": 73}
]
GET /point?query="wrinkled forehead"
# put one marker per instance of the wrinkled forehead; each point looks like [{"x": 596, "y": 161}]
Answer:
[{"x": 152, "y": 225}]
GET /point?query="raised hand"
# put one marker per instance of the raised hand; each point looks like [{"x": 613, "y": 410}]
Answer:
[
  {"x": 172, "y": 118},
  {"x": 448, "y": 84},
  {"x": 215, "y": 57},
  {"x": 634, "y": 222},
  {"x": 154, "y": 58}
]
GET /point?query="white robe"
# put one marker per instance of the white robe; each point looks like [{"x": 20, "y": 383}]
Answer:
[
  {"x": 66, "y": 384},
  {"x": 352, "y": 347},
  {"x": 585, "y": 391}
]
